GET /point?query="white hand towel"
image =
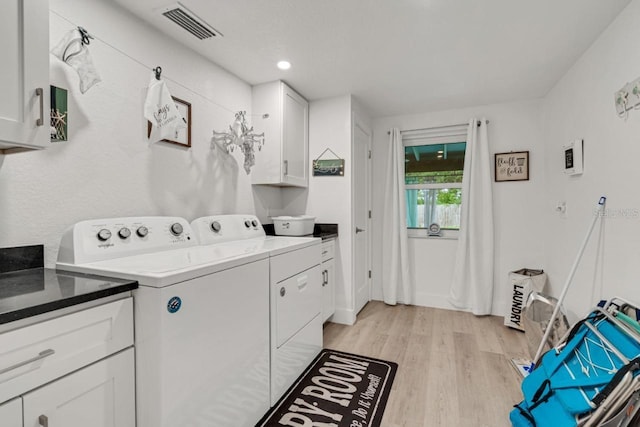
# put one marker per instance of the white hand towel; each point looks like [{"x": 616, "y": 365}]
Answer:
[{"x": 161, "y": 111}]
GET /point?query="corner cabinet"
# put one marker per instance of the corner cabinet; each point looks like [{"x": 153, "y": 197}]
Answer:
[
  {"x": 24, "y": 75},
  {"x": 283, "y": 115}
]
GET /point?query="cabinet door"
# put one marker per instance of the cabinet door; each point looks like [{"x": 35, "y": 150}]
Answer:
[
  {"x": 328, "y": 289},
  {"x": 295, "y": 137},
  {"x": 100, "y": 395},
  {"x": 11, "y": 413},
  {"x": 24, "y": 47}
]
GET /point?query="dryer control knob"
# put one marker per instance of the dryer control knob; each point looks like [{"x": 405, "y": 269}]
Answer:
[
  {"x": 254, "y": 223},
  {"x": 247, "y": 223},
  {"x": 176, "y": 229},
  {"x": 124, "y": 233},
  {"x": 104, "y": 235},
  {"x": 142, "y": 231},
  {"x": 216, "y": 227}
]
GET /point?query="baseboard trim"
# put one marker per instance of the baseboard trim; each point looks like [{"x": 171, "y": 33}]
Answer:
[
  {"x": 343, "y": 316},
  {"x": 425, "y": 299}
]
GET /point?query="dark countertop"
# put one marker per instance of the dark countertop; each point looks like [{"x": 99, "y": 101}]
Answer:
[
  {"x": 28, "y": 289},
  {"x": 324, "y": 231}
]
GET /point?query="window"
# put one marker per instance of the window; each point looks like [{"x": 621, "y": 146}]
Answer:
[{"x": 433, "y": 182}]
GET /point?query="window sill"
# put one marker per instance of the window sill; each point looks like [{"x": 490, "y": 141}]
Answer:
[
  {"x": 422, "y": 234},
  {"x": 434, "y": 237}
]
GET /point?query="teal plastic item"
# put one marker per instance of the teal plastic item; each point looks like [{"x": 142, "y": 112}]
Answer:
[{"x": 564, "y": 385}]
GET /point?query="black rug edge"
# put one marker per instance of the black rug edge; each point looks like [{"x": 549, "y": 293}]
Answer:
[{"x": 386, "y": 393}]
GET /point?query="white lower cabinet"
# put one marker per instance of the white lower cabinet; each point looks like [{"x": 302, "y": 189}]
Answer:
[
  {"x": 11, "y": 413},
  {"x": 100, "y": 395},
  {"x": 75, "y": 370},
  {"x": 328, "y": 279}
]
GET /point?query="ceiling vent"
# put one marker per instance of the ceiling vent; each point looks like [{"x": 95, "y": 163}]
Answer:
[{"x": 189, "y": 21}]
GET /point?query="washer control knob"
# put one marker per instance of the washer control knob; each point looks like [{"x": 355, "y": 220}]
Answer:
[
  {"x": 216, "y": 227},
  {"x": 254, "y": 223},
  {"x": 247, "y": 223},
  {"x": 124, "y": 233},
  {"x": 176, "y": 229},
  {"x": 104, "y": 235},
  {"x": 142, "y": 231}
]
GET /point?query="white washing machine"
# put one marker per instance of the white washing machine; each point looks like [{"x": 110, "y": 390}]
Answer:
[
  {"x": 201, "y": 318},
  {"x": 295, "y": 291}
]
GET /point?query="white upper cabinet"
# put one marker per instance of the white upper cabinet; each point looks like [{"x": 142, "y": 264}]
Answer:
[
  {"x": 284, "y": 159},
  {"x": 24, "y": 75}
]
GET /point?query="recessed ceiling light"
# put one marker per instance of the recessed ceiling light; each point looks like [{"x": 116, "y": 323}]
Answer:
[{"x": 284, "y": 65}]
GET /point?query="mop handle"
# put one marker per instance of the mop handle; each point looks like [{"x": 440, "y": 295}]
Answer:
[{"x": 556, "y": 310}]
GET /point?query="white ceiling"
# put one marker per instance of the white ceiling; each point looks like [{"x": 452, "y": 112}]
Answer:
[{"x": 397, "y": 56}]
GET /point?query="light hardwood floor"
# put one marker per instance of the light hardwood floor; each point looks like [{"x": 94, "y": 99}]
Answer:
[{"x": 454, "y": 368}]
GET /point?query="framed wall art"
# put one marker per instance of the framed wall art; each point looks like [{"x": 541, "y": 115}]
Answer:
[
  {"x": 328, "y": 167},
  {"x": 512, "y": 166},
  {"x": 59, "y": 114},
  {"x": 182, "y": 136}
]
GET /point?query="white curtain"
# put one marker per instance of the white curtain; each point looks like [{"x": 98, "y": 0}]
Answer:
[
  {"x": 396, "y": 277},
  {"x": 472, "y": 285}
]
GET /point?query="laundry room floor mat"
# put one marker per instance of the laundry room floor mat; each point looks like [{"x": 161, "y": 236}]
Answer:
[{"x": 338, "y": 389}]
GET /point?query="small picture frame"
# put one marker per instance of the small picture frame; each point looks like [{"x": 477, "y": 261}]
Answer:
[
  {"x": 328, "y": 167},
  {"x": 183, "y": 136},
  {"x": 512, "y": 166}
]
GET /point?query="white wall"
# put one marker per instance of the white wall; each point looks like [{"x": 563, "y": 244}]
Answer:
[
  {"x": 107, "y": 168},
  {"x": 330, "y": 196},
  {"x": 518, "y": 206},
  {"x": 581, "y": 105}
]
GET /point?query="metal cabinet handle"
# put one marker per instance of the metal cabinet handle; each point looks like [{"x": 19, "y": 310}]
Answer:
[
  {"x": 325, "y": 277},
  {"x": 41, "y": 355},
  {"x": 40, "y": 94},
  {"x": 43, "y": 421},
  {"x": 286, "y": 167},
  {"x": 283, "y": 291},
  {"x": 359, "y": 230}
]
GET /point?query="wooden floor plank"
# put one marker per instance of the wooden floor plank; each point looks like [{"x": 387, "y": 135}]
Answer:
[{"x": 454, "y": 368}]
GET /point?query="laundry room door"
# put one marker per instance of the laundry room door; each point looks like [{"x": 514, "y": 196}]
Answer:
[{"x": 361, "y": 209}]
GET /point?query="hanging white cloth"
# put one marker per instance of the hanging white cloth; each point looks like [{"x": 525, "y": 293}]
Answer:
[
  {"x": 160, "y": 109},
  {"x": 396, "y": 275},
  {"x": 472, "y": 284}
]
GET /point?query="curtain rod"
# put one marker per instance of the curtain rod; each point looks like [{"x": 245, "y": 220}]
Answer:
[{"x": 436, "y": 127}]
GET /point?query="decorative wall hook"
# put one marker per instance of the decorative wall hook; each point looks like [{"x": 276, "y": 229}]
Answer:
[
  {"x": 242, "y": 135},
  {"x": 158, "y": 71}
]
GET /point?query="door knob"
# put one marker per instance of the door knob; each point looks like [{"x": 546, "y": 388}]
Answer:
[{"x": 359, "y": 230}]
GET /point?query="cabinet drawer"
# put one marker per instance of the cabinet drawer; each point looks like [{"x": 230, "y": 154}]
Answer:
[
  {"x": 288, "y": 264},
  {"x": 36, "y": 354},
  {"x": 328, "y": 249}
]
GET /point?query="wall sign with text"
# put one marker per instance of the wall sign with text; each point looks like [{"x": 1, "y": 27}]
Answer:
[{"x": 513, "y": 166}]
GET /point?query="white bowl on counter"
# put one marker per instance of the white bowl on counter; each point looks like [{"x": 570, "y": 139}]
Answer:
[{"x": 295, "y": 225}]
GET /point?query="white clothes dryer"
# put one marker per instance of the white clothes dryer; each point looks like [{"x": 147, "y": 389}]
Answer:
[{"x": 295, "y": 280}]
